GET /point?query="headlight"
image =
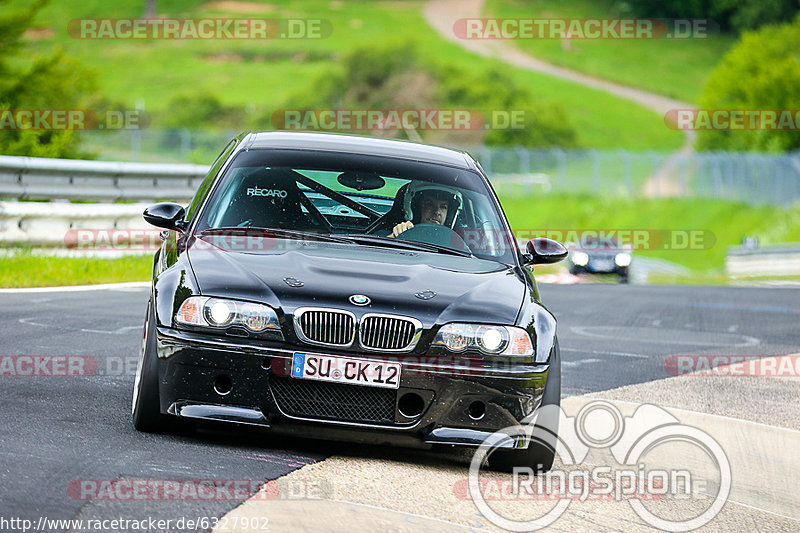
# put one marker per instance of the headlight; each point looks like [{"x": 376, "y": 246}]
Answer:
[
  {"x": 219, "y": 313},
  {"x": 622, "y": 260},
  {"x": 580, "y": 258},
  {"x": 491, "y": 340}
]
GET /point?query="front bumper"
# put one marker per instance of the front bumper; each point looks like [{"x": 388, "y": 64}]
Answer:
[
  {"x": 594, "y": 269},
  {"x": 440, "y": 399}
]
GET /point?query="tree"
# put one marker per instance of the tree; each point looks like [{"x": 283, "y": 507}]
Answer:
[
  {"x": 396, "y": 76},
  {"x": 737, "y": 15},
  {"x": 53, "y": 82},
  {"x": 761, "y": 72}
]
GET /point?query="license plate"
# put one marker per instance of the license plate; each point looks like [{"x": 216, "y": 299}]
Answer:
[
  {"x": 346, "y": 370},
  {"x": 602, "y": 265}
]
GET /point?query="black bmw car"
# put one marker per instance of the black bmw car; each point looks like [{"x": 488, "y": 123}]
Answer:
[{"x": 345, "y": 287}]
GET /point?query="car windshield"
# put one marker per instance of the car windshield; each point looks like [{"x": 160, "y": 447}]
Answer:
[
  {"x": 602, "y": 244},
  {"x": 359, "y": 200}
]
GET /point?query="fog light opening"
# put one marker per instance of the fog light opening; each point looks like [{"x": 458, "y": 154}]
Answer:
[
  {"x": 476, "y": 410},
  {"x": 223, "y": 384},
  {"x": 411, "y": 405}
]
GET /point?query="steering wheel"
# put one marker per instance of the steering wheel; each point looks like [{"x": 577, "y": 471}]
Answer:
[{"x": 435, "y": 234}]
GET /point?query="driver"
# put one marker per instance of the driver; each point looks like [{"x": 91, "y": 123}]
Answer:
[{"x": 428, "y": 203}]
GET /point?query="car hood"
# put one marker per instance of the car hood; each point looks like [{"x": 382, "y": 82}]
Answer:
[{"x": 303, "y": 274}]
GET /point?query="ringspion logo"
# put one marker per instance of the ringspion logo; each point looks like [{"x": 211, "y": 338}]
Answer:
[{"x": 630, "y": 477}]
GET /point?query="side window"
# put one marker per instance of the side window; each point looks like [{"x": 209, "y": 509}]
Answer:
[{"x": 209, "y": 180}]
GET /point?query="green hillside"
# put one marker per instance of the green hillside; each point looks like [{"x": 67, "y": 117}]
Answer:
[
  {"x": 673, "y": 67},
  {"x": 259, "y": 76}
]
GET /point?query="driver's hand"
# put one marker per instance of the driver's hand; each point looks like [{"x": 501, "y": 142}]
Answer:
[{"x": 400, "y": 228}]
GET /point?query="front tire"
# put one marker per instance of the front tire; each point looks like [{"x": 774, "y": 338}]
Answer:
[
  {"x": 146, "y": 407},
  {"x": 541, "y": 451}
]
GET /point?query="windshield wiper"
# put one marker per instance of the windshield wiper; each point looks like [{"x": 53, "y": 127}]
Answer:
[
  {"x": 377, "y": 240},
  {"x": 277, "y": 232}
]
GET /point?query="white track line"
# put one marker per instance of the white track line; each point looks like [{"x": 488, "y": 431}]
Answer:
[
  {"x": 570, "y": 364},
  {"x": 582, "y": 330},
  {"x": 77, "y": 288},
  {"x": 622, "y": 354},
  {"x": 762, "y": 510},
  {"x": 723, "y": 417}
]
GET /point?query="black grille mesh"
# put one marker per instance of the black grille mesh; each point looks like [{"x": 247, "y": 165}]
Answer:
[{"x": 320, "y": 399}]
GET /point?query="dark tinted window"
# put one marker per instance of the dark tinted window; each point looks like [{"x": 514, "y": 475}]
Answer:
[
  {"x": 209, "y": 180},
  {"x": 346, "y": 194}
]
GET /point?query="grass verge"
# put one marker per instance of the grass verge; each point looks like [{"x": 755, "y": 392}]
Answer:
[
  {"x": 721, "y": 224},
  {"x": 25, "y": 269}
]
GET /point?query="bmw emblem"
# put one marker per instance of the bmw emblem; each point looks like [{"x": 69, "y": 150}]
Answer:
[{"x": 359, "y": 299}]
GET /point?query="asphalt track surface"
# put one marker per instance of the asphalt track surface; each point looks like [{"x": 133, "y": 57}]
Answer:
[{"x": 60, "y": 430}]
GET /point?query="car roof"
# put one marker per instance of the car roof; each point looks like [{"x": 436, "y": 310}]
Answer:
[{"x": 356, "y": 144}]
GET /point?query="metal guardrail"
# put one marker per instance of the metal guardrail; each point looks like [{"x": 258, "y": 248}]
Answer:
[
  {"x": 777, "y": 260},
  {"x": 49, "y": 223},
  {"x": 61, "y": 180},
  {"x": 761, "y": 179},
  {"x": 33, "y": 178},
  {"x": 29, "y": 178}
]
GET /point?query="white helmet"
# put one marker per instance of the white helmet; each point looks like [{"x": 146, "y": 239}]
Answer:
[{"x": 453, "y": 196}]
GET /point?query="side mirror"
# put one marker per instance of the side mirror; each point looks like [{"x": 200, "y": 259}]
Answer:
[
  {"x": 541, "y": 251},
  {"x": 166, "y": 215}
]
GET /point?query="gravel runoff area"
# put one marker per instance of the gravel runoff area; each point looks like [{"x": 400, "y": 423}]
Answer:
[{"x": 389, "y": 489}]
